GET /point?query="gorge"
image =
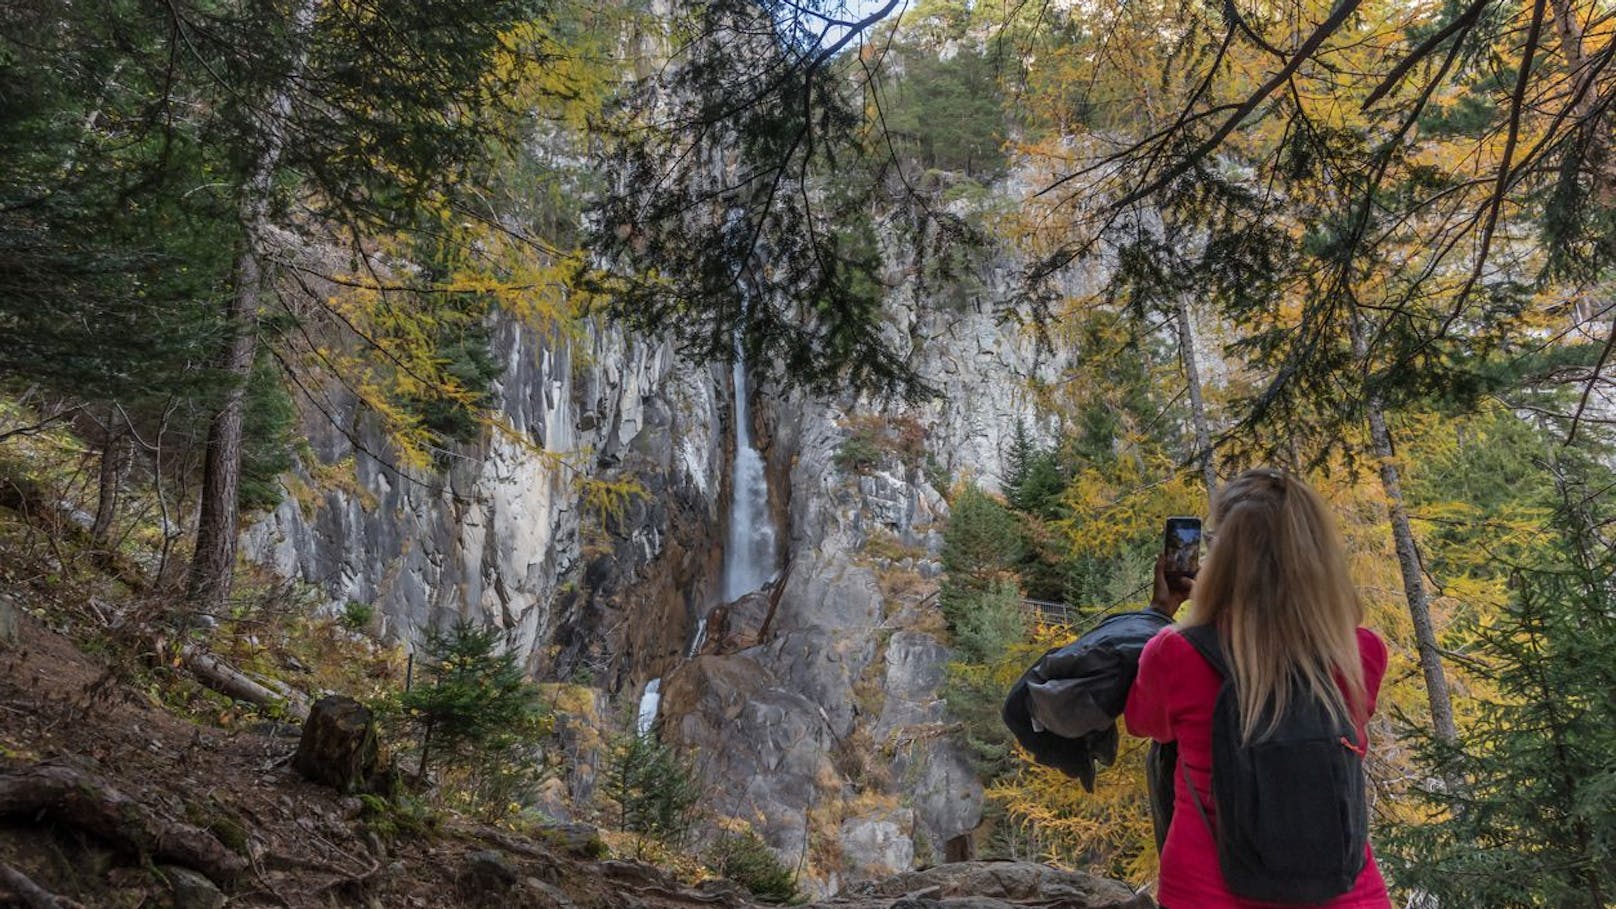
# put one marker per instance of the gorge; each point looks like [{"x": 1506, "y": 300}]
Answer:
[{"x": 784, "y": 682}]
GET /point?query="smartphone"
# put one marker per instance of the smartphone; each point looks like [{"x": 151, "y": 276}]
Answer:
[{"x": 1182, "y": 543}]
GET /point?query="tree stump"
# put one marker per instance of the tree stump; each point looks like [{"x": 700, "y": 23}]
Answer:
[{"x": 338, "y": 747}]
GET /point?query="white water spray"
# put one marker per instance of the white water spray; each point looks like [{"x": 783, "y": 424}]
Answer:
[
  {"x": 649, "y": 702},
  {"x": 750, "y": 553}
]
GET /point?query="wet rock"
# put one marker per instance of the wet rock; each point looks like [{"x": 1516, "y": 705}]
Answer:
[{"x": 736, "y": 626}]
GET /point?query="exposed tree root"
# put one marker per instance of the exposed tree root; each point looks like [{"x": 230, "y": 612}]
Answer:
[
  {"x": 31, "y": 894},
  {"x": 88, "y": 802}
]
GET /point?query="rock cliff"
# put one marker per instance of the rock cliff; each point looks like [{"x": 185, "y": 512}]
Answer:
[{"x": 814, "y": 701}]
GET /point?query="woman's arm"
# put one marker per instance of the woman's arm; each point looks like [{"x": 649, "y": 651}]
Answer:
[{"x": 1148, "y": 712}]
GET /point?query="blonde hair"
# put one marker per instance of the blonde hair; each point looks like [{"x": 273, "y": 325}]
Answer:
[{"x": 1276, "y": 586}]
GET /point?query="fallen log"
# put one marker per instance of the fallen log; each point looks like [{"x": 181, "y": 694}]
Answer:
[
  {"x": 227, "y": 679},
  {"x": 88, "y": 802}
]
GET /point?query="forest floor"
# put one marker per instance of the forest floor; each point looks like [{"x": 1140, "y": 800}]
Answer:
[
  {"x": 306, "y": 845},
  {"x": 301, "y": 844}
]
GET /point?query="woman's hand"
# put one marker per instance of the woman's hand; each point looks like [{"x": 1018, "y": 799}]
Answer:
[{"x": 1169, "y": 593}]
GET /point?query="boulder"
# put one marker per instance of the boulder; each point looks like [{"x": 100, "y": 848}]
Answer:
[
  {"x": 487, "y": 874},
  {"x": 578, "y": 840},
  {"x": 192, "y": 890},
  {"x": 878, "y": 844},
  {"x": 338, "y": 747}
]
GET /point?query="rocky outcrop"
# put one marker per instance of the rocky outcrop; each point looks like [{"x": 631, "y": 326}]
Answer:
[
  {"x": 819, "y": 710},
  {"x": 503, "y": 532}
]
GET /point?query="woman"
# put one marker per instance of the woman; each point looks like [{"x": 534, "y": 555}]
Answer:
[{"x": 1276, "y": 588}]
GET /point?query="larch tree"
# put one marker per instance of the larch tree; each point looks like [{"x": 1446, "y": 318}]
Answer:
[{"x": 363, "y": 116}]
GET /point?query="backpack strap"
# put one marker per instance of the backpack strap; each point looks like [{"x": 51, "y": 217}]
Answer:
[{"x": 1204, "y": 638}]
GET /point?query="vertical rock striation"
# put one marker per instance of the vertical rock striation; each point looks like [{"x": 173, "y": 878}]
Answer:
[
  {"x": 814, "y": 703},
  {"x": 501, "y": 533}
]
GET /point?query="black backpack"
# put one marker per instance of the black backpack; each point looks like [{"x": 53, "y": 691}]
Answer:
[{"x": 1293, "y": 820}]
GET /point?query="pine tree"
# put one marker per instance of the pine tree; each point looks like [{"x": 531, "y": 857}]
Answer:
[
  {"x": 654, "y": 787},
  {"x": 473, "y": 696},
  {"x": 1526, "y": 814},
  {"x": 1017, "y": 463}
]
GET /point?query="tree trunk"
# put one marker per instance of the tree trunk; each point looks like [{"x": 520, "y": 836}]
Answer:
[
  {"x": 215, "y": 557},
  {"x": 1192, "y": 377},
  {"x": 115, "y": 456},
  {"x": 31, "y": 894},
  {"x": 228, "y": 680},
  {"x": 1408, "y": 558}
]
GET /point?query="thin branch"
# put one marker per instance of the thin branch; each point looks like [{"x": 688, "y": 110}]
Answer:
[{"x": 35, "y": 428}]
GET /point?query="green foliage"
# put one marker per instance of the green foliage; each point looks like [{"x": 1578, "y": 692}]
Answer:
[
  {"x": 858, "y": 453},
  {"x": 400, "y": 816},
  {"x": 974, "y": 693},
  {"x": 357, "y": 615},
  {"x": 979, "y": 597},
  {"x": 472, "y": 700},
  {"x": 654, "y": 787},
  {"x": 776, "y": 251},
  {"x": 982, "y": 542},
  {"x": 745, "y": 859},
  {"x": 468, "y": 360},
  {"x": 1530, "y": 817},
  {"x": 946, "y": 110},
  {"x": 986, "y": 623},
  {"x": 1033, "y": 482},
  {"x": 268, "y": 421}
]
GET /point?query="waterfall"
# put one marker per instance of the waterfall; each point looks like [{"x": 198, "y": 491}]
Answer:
[
  {"x": 649, "y": 702},
  {"x": 749, "y": 555}
]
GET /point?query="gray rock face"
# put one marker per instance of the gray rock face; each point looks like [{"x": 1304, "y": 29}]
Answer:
[
  {"x": 767, "y": 743},
  {"x": 813, "y": 706},
  {"x": 877, "y": 841},
  {"x": 502, "y": 533}
]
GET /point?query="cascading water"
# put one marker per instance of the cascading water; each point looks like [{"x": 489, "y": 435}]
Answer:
[
  {"x": 750, "y": 553},
  {"x": 649, "y": 702}
]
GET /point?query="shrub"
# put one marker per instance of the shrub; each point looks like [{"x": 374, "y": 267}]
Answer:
[
  {"x": 745, "y": 859},
  {"x": 356, "y": 616},
  {"x": 872, "y": 438},
  {"x": 654, "y": 788}
]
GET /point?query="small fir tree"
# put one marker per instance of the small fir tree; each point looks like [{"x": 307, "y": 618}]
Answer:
[
  {"x": 654, "y": 787},
  {"x": 747, "y": 860},
  {"x": 474, "y": 698}
]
